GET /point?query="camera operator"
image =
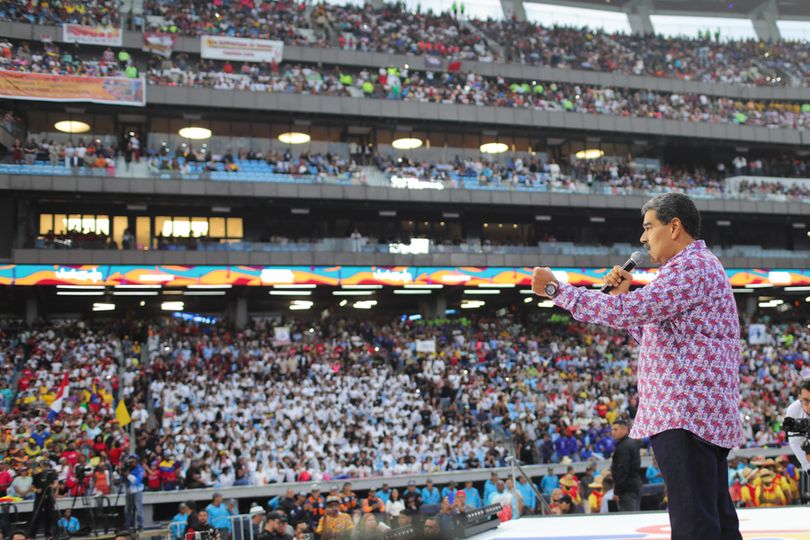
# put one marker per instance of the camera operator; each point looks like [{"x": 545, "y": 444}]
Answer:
[
  {"x": 132, "y": 473},
  {"x": 45, "y": 481},
  {"x": 800, "y": 410}
]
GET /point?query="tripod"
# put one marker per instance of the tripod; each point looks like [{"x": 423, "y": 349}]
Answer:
[{"x": 46, "y": 494}]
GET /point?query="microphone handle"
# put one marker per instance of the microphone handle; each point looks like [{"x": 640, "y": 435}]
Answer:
[{"x": 628, "y": 267}]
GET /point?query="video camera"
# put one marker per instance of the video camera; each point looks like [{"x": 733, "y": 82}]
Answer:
[{"x": 798, "y": 427}]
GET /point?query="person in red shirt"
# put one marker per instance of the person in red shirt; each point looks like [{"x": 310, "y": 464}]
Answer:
[
  {"x": 5, "y": 478},
  {"x": 227, "y": 68},
  {"x": 71, "y": 455}
]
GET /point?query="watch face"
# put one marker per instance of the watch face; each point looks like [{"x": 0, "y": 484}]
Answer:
[{"x": 551, "y": 289}]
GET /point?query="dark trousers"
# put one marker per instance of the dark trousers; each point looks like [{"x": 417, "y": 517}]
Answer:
[
  {"x": 696, "y": 476},
  {"x": 45, "y": 508},
  {"x": 629, "y": 501}
]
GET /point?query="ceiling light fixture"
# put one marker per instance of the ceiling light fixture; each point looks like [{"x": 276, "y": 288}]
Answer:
[
  {"x": 195, "y": 133},
  {"x": 294, "y": 137},
  {"x": 72, "y": 126},
  {"x": 407, "y": 143}
]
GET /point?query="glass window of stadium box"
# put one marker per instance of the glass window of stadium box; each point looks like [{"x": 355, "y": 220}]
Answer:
[{"x": 41, "y": 125}]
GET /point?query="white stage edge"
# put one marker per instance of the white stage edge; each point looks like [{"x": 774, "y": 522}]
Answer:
[{"x": 790, "y": 523}]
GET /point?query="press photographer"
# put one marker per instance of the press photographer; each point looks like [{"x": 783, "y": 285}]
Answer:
[
  {"x": 45, "y": 482},
  {"x": 797, "y": 425}
]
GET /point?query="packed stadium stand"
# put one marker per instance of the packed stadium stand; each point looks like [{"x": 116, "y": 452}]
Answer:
[{"x": 263, "y": 257}]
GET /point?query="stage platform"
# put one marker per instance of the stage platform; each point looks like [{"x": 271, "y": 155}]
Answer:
[{"x": 791, "y": 523}]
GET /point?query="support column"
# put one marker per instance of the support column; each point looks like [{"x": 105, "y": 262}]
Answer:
[
  {"x": 638, "y": 15},
  {"x": 240, "y": 315},
  {"x": 764, "y": 19},
  {"x": 513, "y": 9},
  {"x": 750, "y": 306},
  {"x": 31, "y": 310},
  {"x": 433, "y": 308}
]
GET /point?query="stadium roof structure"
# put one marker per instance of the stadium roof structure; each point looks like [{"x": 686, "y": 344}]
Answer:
[{"x": 791, "y": 9}]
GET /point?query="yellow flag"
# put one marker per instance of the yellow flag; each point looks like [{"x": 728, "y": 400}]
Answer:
[{"x": 122, "y": 414}]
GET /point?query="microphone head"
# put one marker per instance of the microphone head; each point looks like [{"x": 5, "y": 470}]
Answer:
[{"x": 638, "y": 257}]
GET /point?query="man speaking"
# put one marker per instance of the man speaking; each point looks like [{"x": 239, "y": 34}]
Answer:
[{"x": 688, "y": 366}]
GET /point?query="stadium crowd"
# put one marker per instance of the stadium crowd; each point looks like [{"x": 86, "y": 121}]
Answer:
[
  {"x": 403, "y": 84},
  {"x": 213, "y": 406},
  {"x": 448, "y": 36}
]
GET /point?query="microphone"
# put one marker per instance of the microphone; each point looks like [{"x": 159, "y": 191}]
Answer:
[{"x": 635, "y": 259}]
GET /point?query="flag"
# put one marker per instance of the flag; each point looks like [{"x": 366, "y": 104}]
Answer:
[
  {"x": 160, "y": 44},
  {"x": 61, "y": 395},
  {"x": 453, "y": 67},
  {"x": 122, "y": 414}
]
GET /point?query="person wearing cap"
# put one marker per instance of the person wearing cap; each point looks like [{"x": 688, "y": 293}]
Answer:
[
  {"x": 334, "y": 523},
  {"x": 252, "y": 528},
  {"x": 134, "y": 474},
  {"x": 431, "y": 494},
  {"x": 800, "y": 410},
  {"x": 449, "y": 491},
  {"x": 179, "y": 522},
  {"x": 570, "y": 486},
  {"x": 596, "y": 495},
  {"x": 412, "y": 497},
  {"x": 769, "y": 493},
  {"x": 315, "y": 504},
  {"x": 275, "y": 528}
]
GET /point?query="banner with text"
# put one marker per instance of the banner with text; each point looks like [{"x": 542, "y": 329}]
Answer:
[
  {"x": 92, "y": 35},
  {"x": 45, "y": 87},
  {"x": 335, "y": 276},
  {"x": 160, "y": 44},
  {"x": 242, "y": 49}
]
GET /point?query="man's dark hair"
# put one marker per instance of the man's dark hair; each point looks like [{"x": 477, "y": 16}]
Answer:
[
  {"x": 804, "y": 385},
  {"x": 621, "y": 422},
  {"x": 607, "y": 484},
  {"x": 669, "y": 206},
  {"x": 19, "y": 532}
]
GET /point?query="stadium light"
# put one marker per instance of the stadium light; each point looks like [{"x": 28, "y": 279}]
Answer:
[
  {"x": 79, "y": 293},
  {"x": 425, "y": 286},
  {"x": 590, "y": 153},
  {"x": 545, "y": 304},
  {"x": 412, "y": 291},
  {"x": 472, "y": 304},
  {"x": 407, "y": 143},
  {"x": 294, "y": 137},
  {"x": 352, "y": 293},
  {"x": 291, "y": 293},
  {"x": 172, "y": 306},
  {"x": 103, "y": 306},
  {"x": 482, "y": 291},
  {"x": 494, "y": 148},
  {"x": 72, "y": 126},
  {"x": 195, "y": 133},
  {"x": 798, "y": 289},
  {"x": 300, "y": 305},
  {"x": 364, "y": 304}
]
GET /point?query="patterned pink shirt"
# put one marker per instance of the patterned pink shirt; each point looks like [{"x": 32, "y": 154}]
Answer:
[{"x": 687, "y": 324}]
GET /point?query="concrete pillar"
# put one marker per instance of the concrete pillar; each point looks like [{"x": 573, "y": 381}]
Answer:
[
  {"x": 432, "y": 308},
  {"x": 638, "y": 15},
  {"x": 764, "y": 19},
  {"x": 31, "y": 310},
  {"x": 750, "y": 305},
  {"x": 513, "y": 9},
  {"x": 240, "y": 314}
]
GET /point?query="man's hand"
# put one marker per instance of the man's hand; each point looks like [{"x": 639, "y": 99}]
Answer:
[
  {"x": 540, "y": 277},
  {"x": 619, "y": 279}
]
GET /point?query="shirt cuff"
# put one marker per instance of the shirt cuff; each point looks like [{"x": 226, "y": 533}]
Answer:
[{"x": 567, "y": 296}]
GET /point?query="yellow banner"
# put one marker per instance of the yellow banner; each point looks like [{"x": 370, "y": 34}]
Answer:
[{"x": 46, "y": 87}]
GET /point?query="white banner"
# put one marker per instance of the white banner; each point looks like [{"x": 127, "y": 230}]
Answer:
[
  {"x": 242, "y": 49},
  {"x": 92, "y": 35},
  {"x": 160, "y": 44},
  {"x": 756, "y": 334},
  {"x": 426, "y": 345},
  {"x": 282, "y": 335}
]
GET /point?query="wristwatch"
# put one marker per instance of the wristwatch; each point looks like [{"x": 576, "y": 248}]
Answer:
[{"x": 551, "y": 289}]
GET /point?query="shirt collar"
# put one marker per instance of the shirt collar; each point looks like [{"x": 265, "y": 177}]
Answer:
[{"x": 694, "y": 246}]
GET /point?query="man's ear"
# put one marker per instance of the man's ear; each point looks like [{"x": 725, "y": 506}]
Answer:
[{"x": 676, "y": 228}]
